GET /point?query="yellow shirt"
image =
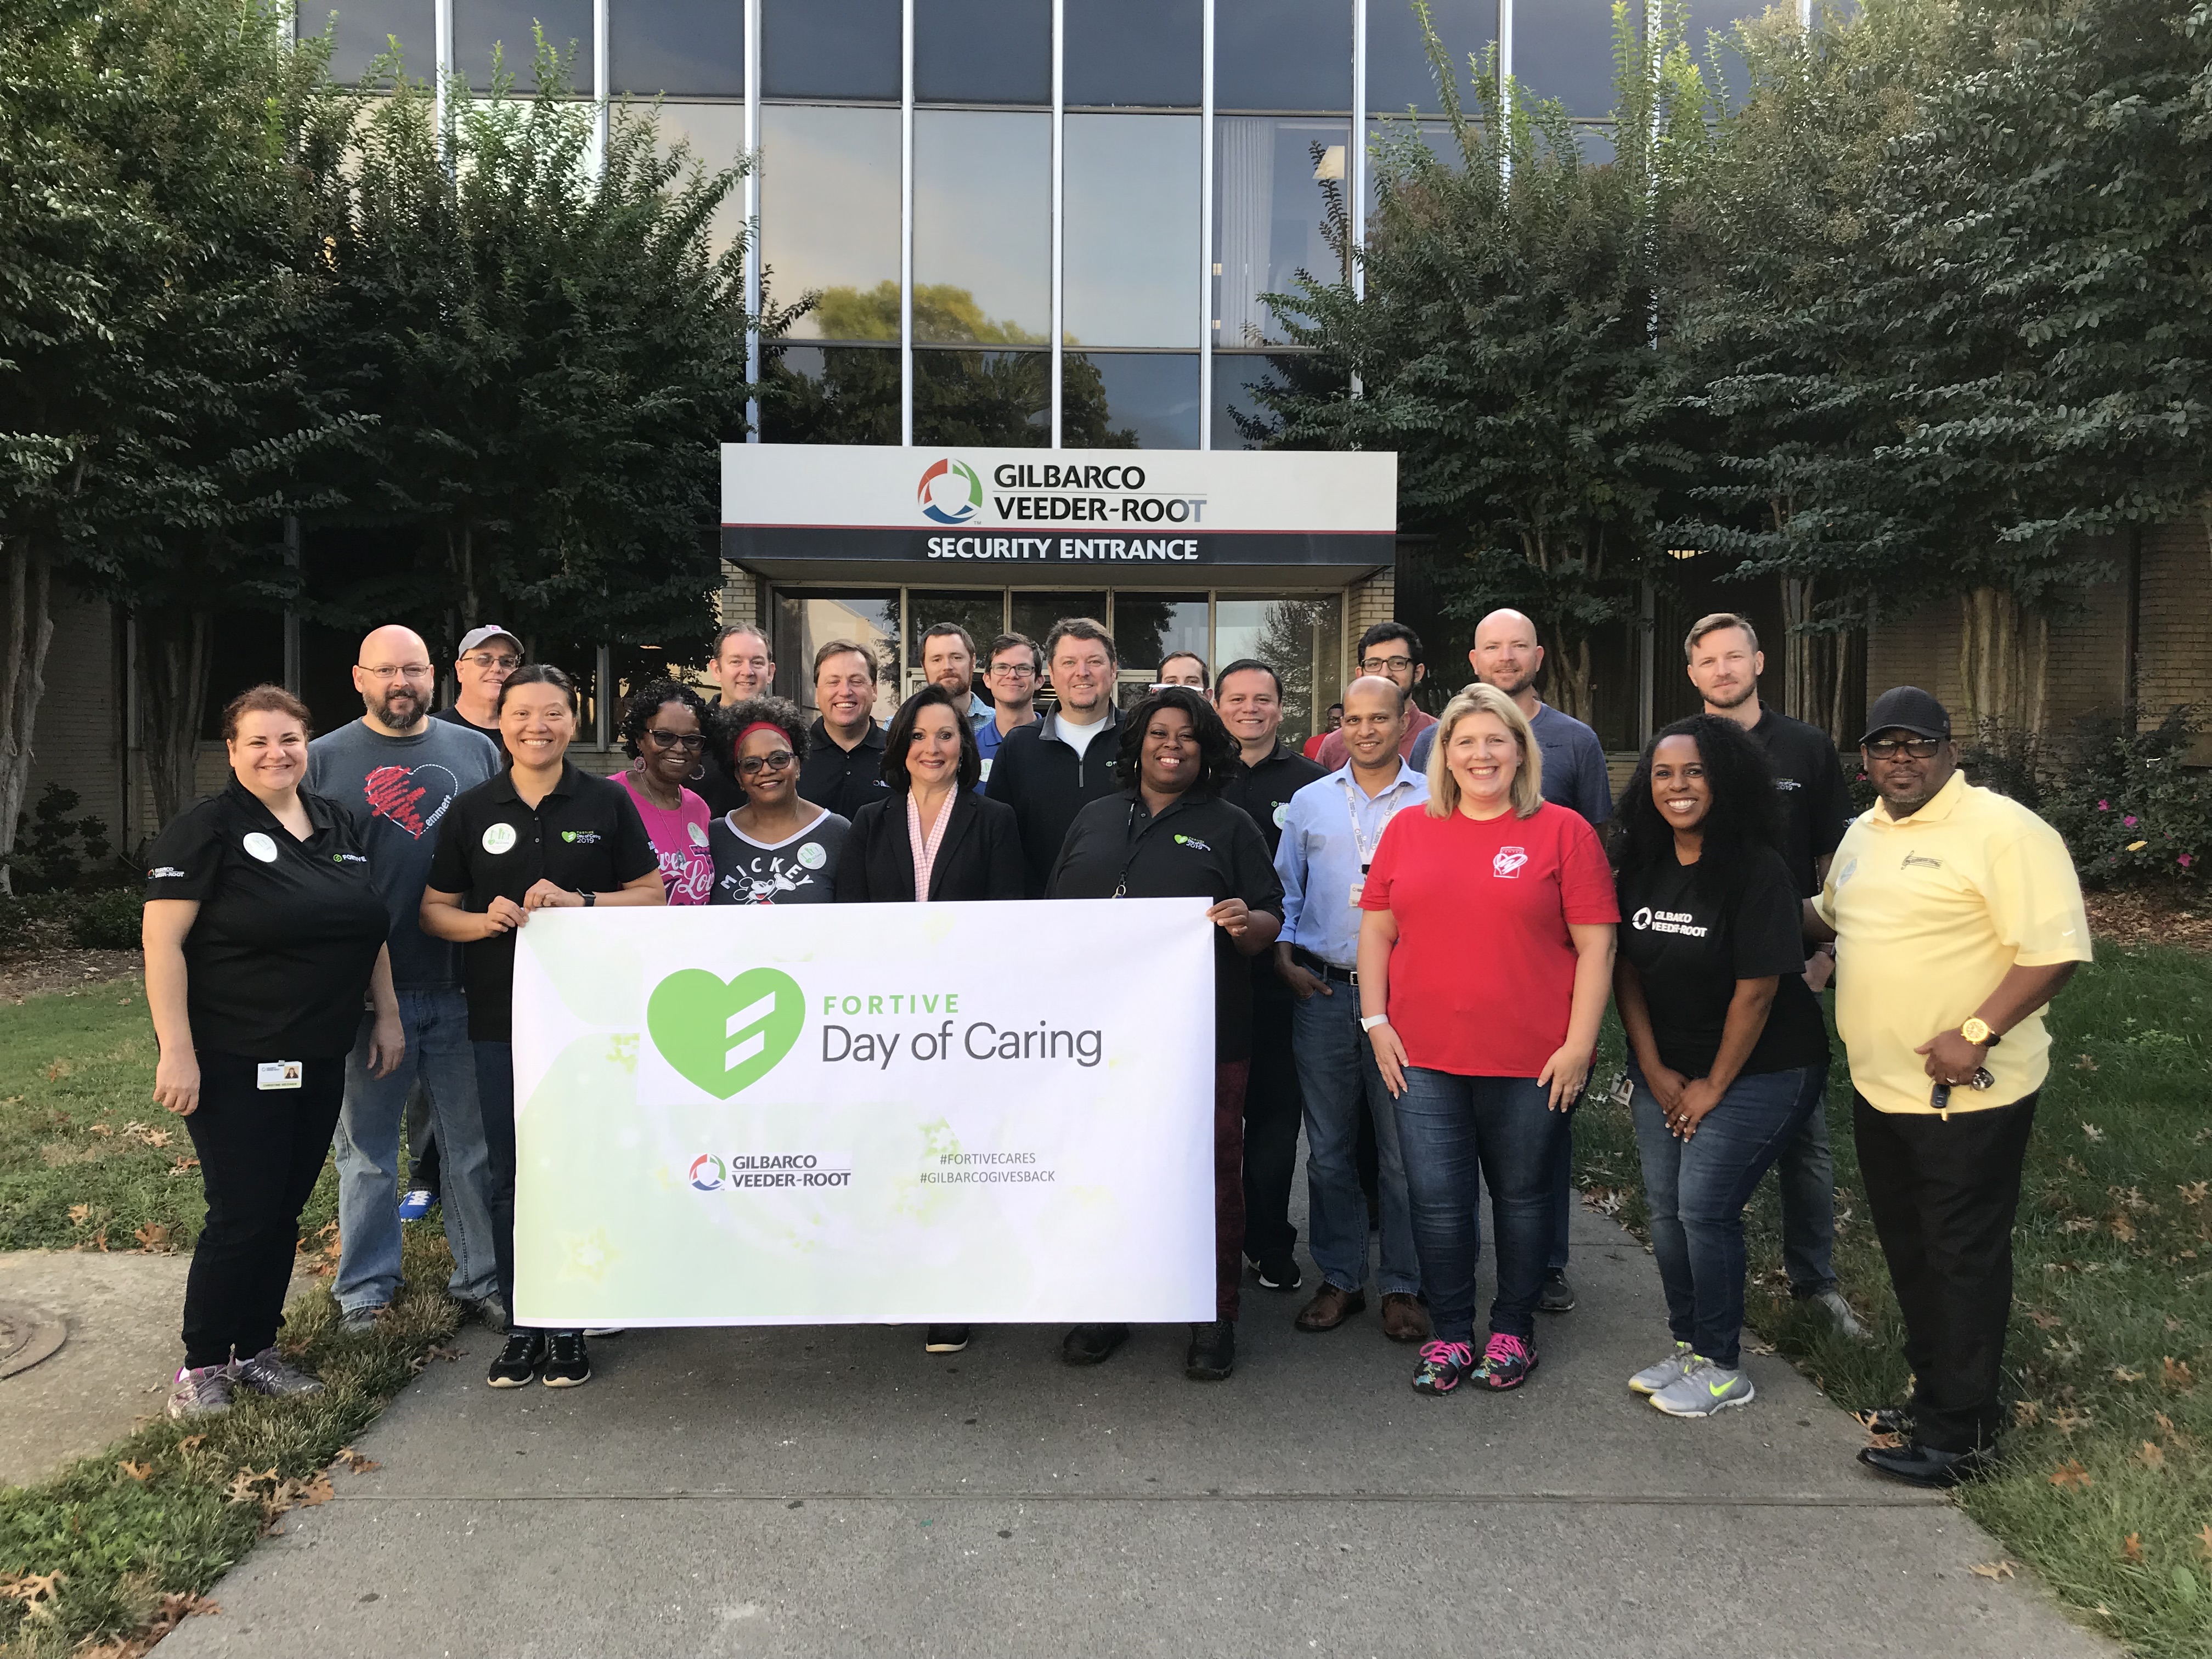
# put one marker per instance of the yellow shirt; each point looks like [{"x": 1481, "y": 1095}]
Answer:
[{"x": 1930, "y": 912}]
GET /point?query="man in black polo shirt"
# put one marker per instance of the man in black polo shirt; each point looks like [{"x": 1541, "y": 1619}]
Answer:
[
  {"x": 1249, "y": 698},
  {"x": 1725, "y": 663},
  {"x": 1049, "y": 772},
  {"x": 844, "y": 766}
]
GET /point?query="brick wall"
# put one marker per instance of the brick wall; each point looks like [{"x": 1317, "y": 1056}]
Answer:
[
  {"x": 78, "y": 740},
  {"x": 2174, "y": 624},
  {"x": 1371, "y": 599}
]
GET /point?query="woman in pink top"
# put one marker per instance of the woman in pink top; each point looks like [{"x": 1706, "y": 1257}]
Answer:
[{"x": 664, "y": 734}]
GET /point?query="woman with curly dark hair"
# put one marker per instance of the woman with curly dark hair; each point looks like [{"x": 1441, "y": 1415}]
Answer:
[
  {"x": 1728, "y": 1051},
  {"x": 1169, "y": 835},
  {"x": 663, "y": 732},
  {"x": 776, "y": 848}
]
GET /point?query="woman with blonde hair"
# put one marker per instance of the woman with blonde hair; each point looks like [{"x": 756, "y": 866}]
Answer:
[{"x": 1486, "y": 955}]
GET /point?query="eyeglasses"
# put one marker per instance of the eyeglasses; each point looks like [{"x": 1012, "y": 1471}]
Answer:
[
  {"x": 774, "y": 761},
  {"x": 1023, "y": 669},
  {"x": 485, "y": 659},
  {"x": 406, "y": 671},
  {"x": 1891, "y": 748},
  {"x": 1387, "y": 665},
  {"x": 685, "y": 740}
]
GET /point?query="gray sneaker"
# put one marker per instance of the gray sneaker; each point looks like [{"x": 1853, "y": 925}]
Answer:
[
  {"x": 1831, "y": 1302},
  {"x": 488, "y": 1311},
  {"x": 1657, "y": 1376},
  {"x": 1703, "y": 1390},
  {"x": 363, "y": 1318},
  {"x": 269, "y": 1372},
  {"x": 200, "y": 1392}
]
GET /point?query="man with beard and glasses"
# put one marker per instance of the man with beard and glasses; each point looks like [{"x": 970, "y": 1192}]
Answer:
[{"x": 395, "y": 771}]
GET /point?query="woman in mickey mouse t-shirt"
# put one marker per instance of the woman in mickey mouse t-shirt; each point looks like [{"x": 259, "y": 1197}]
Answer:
[
  {"x": 1486, "y": 955},
  {"x": 776, "y": 848}
]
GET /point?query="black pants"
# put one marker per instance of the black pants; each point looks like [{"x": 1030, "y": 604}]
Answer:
[
  {"x": 495, "y": 1094},
  {"x": 260, "y": 1151},
  {"x": 1943, "y": 1192},
  {"x": 1274, "y": 1108}
]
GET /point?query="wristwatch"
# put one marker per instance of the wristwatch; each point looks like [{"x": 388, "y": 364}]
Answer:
[
  {"x": 1369, "y": 1022},
  {"x": 590, "y": 899},
  {"x": 1976, "y": 1031}
]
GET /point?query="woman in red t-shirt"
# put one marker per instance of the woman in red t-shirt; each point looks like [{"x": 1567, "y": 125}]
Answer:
[{"x": 1485, "y": 956}]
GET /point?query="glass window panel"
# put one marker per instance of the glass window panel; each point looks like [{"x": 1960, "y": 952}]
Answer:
[
  {"x": 982, "y": 227},
  {"x": 478, "y": 24},
  {"x": 829, "y": 216},
  {"x": 1594, "y": 144},
  {"x": 1398, "y": 77},
  {"x": 822, "y": 49},
  {"x": 1720, "y": 59},
  {"x": 1385, "y": 133},
  {"x": 716, "y": 136},
  {"x": 804, "y": 622},
  {"x": 1129, "y": 400},
  {"x": 981, "y": 613},
  {"x": 983, "y": 52},
  {"x": 1270, "y": 192},
  {"x": 1151, "y": 627},
  {"x": 1130, "y": 195},
  {"x": 1035, "y": 613},
  {"x": 999, "y": 399},
  {"x": 1282, "y": 54},
  {"x": 830, "y": 394},
  {"x": 1563, "y": 49},
  {"x": 1146, "y": 52},
  {"x": 1241, "y": 421},
  {"x": 1300, "y": 638},
  {"x": 681, "y": 48},
  {"x": 364, "y": 33}
]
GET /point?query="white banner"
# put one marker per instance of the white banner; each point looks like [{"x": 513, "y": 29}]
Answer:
[{"x": 910, "y": 1114}]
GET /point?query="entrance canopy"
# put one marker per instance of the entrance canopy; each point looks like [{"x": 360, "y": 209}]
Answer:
[{"x": 1182, "y": 517}]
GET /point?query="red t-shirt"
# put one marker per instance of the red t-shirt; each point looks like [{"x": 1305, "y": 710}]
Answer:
[{"x": 1483, "y": 977}]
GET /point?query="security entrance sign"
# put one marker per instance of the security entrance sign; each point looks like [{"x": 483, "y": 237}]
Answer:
[
  {"x": 863, "y": 1114},
  {"x": 1035, "y": 513}
]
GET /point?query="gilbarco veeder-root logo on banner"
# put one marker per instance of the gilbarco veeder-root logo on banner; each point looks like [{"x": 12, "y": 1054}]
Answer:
[{"x": 950, "y": 493}]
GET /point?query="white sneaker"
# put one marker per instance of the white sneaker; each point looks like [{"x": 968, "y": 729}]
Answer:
[
  {"x": 1831, "y": 1302},
  {"x": 1703, "y": 1390},
  {"x": 1654, "y": 1378}
]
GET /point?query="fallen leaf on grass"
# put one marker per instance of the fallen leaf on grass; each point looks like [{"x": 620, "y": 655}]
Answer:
[
  {"x": 153, "y": 1239},
  {"x": 59, "y": 1070},
  {"x": 2131, "y": 1548},
  {"x": 2084, "y": 1063},
  {"x": 433, "y": 1351},
  {"x": 2175, "y": 1375},
  {"x": 2091, "y": 1131},
  {"x": 147, "y": 1134},
  {"x": 191, "y": 1442},
  {"x": 2066, "y": 1419},
  {"x": 2123, "y": 1230},
  {"x": 245, "y": 1486},
  {"x": 139, "y": 1472},
  {"x": 2027, "y": 1412},
  {"x": 2071, "y": 1474},
  {"x": 2044, "y": 1322},
  {"x": 1993, "y": 1570},
  {"x": 79, "y": 1214},
  {"x": 314, "y": 1490},
  {"x": 2079, "y": 1224},
  {"x": 2150, "y": 1457},
  {"x": 2195, "y": 1192},
  {"x": 35, "y": 1590},
  {"x": 184, "y": 1164},
  {"x": 176, "y": 1608},
  {"x": 2122, "y": 1374},
  {"x": 354, "y": 1462}
]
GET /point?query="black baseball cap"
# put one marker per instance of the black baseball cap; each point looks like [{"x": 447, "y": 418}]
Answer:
[{"x": 1908, "y": 709}]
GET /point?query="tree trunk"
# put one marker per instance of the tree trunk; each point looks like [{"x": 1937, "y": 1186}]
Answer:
[
  {"x": 1568, "y": 682},
  {"x": 27, "y": 628},
  {"x": 172, "y": 683},
  {"x": 1801, "y": 651},
  {"x": 2003, "y": 676}
]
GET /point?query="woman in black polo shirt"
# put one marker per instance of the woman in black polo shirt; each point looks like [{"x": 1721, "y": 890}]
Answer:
[
  {"x": 1727, "y": 1049},
  {"x": 541, "y": 836},
  {"x": 1169, "y": 835},
  {"x": 262, "y": 934}
]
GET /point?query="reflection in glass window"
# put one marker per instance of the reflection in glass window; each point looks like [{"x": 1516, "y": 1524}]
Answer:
[
  {"x": 1241, "y": 420},
  {"x": 1300, "y": 638},
  {"x": 1384, "y": 132},
  {"x": 1149, "y": 628},
  {"x": 829, "y": 216},
  {"x": 804, "y": 622},
  {"x": 1593, "y": 143},
  {"x": 1129, "y": 253},
  {"x": 1720, "y": 59},
  {"x": 716, "y": 136},
  {"x": 1034, "y": 611},
  {"x": 480, "y": 24},
  {"x": 1283, "y": 54},
  {"x": 830, "y": 394},
  {"x": 1563, "y": 49},
  {"x": 995, "y": 398},
  {"x": 363, "y": 33},
  {"x": 812, "y": 49},
  {"x": 1398, "y": 77},
  {"x": 982, "y": 613},
  {"x": 679, "y": 48},
  {"x": 1272, "y": 179},
  {"x": 983, "y": 52},
  {"x": 1143, "y": 400},
  {"x": 982, "y": 227},
  {"x": 1141, "y": 52}
]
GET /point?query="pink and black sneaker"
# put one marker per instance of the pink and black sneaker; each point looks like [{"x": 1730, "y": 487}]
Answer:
[
  {"x": 1444, "y": 1366},
  {"x": 1507, "y": 1361}
]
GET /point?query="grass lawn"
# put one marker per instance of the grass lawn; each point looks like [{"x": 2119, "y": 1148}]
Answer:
[{"x": 2106, "y": 1486}]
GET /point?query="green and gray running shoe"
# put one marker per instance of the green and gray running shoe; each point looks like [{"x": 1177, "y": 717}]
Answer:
[
  {"x": 269, "y": 1372},
  {"x": 1703, "y": 1389},
  {"x": 1656, "y": 1377}
]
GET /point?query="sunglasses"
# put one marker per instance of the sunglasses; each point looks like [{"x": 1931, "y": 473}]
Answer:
[
  {"x": 774, "y": 761},
  {"x": 689, "y": 741},
  {"x": 1891, "y": 748}
]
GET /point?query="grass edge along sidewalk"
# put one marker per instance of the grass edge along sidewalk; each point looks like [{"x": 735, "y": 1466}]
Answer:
[{"x": 2105, "y": 1489}]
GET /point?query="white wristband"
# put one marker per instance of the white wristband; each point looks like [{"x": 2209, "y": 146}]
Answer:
[{"x": 1369, "y": 1022}]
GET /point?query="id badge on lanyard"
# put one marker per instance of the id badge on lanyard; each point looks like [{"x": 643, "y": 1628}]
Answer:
[{"x": 1365, "y": 847}]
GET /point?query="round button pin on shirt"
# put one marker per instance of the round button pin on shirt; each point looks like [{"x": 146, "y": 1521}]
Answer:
[
  {"x": 260, "y": 847},
  {"x": 500, "y": 838}
]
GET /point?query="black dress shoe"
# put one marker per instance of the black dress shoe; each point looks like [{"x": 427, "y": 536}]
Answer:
[
  {"x": 1087, "y": 1344},
  {"x": 1887, "y": 1419},
  {"x": 1924, "y": 1466},
  {"x": 1212, "y": 1353}
]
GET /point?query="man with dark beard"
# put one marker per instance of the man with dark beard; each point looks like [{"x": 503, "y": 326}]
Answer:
[{"x": 395, "y": 771}]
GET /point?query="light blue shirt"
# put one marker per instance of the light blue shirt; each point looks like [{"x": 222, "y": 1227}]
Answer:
[{"x": 1325, "y": 827}]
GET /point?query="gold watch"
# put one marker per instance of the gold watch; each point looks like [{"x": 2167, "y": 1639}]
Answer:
[{"x": 1976, "y": 1031}]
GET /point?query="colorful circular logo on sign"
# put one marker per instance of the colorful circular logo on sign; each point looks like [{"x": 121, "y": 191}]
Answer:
[
  {"x": 699, "y": 1178},
  {"x": 950, "y": 493},
  {"x": 260, "y": 847},
  {"x": 500, "y": 838},
  {"x": 813, "y": 856}
]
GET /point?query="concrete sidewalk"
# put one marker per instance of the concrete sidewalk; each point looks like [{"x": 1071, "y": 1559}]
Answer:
[{"x": 828, "y": 1491}]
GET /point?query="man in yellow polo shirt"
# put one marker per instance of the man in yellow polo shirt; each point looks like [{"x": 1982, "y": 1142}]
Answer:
[{"x": 1957, "y": 916}]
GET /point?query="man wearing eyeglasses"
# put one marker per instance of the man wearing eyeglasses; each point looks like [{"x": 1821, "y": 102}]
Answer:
[
  {"x": 487, "y": 655},
  {"x": 1957, "y": 916},
  {"x": 1391, "y": 651},
  {"x": 1013, "y": 669},
  {"x": 397, "y": 771}
]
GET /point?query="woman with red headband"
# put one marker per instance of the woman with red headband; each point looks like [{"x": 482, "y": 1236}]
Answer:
[{"x": 776, "y": 848}]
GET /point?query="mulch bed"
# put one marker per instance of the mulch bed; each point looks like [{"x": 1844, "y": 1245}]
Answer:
[
  {"x": 47, "y": 964},
  {"x": 2137, "y": 918}
]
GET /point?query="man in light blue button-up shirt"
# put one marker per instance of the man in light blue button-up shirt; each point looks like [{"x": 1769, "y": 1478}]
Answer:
[{"x": 1330, "y": 831}]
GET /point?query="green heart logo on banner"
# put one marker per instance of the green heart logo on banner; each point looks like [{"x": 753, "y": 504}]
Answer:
[{"x": 725, "y": 1035}]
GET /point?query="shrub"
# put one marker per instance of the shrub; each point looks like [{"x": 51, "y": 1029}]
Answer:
[
  {"x": 106, "y": 921},
  {"x": 2132, "y": 813},
  {"x": 56, "y": 851}
]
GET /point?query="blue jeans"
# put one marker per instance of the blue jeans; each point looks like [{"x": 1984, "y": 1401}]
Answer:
[
  {"x": 1561, "y": 1180},
  {"x": 1806, "y": 1175},
  {"x": 436, "y": 1023},
  {"x": 495, "y": 1088},
  {"x": 1449, "y": 1128},
  {"x": 1336, "y": 1071},
  {"x": 1697, "y": 1189}
]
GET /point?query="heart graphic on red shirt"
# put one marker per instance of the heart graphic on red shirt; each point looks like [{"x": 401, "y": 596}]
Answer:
[{"x": 413, "y": 797}]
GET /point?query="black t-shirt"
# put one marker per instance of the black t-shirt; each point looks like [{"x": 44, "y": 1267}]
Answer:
[
  {"x": 1201, "y": 847},
  {"x": 843, "y": 779},
  {"x": 1264, "y": 791},
  {"x": 1692, "y": 930},
  {"x": 278, "y": 959},
  {"x": 585, "y": 835},
  {"x": 1816, "y": 802},
  {"x": 454, "y": 717}
]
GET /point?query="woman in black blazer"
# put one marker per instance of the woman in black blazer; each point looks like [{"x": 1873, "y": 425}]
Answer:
[
  {"x": 933, "y": 835},
  {"x": 933, "y": 819}
]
